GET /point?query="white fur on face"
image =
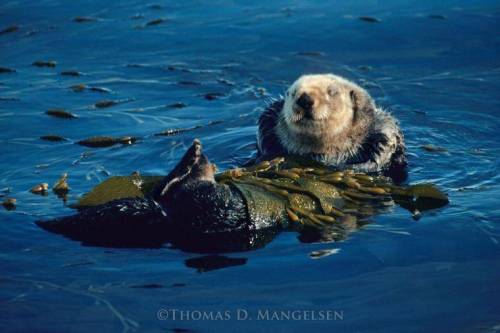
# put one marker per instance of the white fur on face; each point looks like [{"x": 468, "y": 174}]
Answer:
[{"x": 332, "y": 108}]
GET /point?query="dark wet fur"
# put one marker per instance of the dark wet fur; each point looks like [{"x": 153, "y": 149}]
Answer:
[
  {"x": 133, "y": 222},
  {"x": 193, "y": 214},
  {"x": 268, "y": 142},
  {"x": 208, "y": 217}
]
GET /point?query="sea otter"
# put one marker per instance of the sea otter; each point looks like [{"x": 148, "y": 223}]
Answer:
[
  {"x": 195, "y": 209},
  {"x": 334, "y": 121},
  {"x": 323, "y": 117}
]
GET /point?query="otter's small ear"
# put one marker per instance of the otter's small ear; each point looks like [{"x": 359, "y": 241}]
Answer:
[
  {"x": 361, "y": 102},
  {"x": 355, "y": 99}
]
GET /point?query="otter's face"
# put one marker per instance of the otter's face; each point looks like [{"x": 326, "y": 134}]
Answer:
[{"x": 317, "y": 103}]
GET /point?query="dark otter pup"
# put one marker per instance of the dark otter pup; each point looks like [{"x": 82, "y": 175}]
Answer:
[
  {"x": 333, "y": 121},
  {"x": 187, "y": 208}
]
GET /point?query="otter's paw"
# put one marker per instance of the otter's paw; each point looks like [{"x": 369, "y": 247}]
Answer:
[
  {"x": 191, "y": 157},
  {"x": 194, "y": 165}
]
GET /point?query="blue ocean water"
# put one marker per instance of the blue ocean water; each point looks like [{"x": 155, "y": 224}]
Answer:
[{"x": 435, "y": 65}]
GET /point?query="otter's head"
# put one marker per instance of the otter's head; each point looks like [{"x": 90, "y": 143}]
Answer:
[{"x": 324, "y": 104}]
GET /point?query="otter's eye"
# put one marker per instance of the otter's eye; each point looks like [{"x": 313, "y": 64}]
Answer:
[{"x": 332, "y": 91}]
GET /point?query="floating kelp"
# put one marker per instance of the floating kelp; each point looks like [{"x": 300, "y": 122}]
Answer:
[
  {"x": 419, "y": 197},
  {"x": 40, "y": 189},
  {"x": 148, "y": 286},
  {"x": 61, "y": 113},
  {"x": 9, "y": 203},
  {"x": 84, "y": 19},
  {"x": 437, "y": 17},
  {"x": 213, "y": 95},
  {"x": 370, "y": 19},
  {"x": 53, "y": 138},
  {"x": 176, "y": 105},
  {"x": 71, "y": 73},
  {"x": 81, "y": 87},
  {"x": 61, "y": 187},
  {"x": 433, "y": 149},
  {"x": 9, "y": 29},
  {"x": 156, "y": 22},
  {"x": 118, "y": 188},
  {"x": 107, "y": 103},
  {"x": 296, "y": 195},
  {"x": 106, "y": 141},
  {"x": 310, "y": 54},
  {"x": 42, "y": 63},
  {"x": 100, "y": 89},
  {"x": 6, "y": 70},
  {"x": 78, "y": 87}
]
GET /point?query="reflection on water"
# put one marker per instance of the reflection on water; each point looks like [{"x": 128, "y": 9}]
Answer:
[
  {"x": 212, "y": 262},
  {"x": 206, "y": 70}
]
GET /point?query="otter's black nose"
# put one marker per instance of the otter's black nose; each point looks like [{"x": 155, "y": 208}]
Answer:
[{"x": 305, "y": 101}]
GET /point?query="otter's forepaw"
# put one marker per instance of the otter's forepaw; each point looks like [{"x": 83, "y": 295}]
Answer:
[
  {"x": 190, "y": 158},
  {"x": 194, "y": 165},
  {"x": 192, "y": 155}
]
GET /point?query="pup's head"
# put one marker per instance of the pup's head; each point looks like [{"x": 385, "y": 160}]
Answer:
[{"x": 321, "y": 104}]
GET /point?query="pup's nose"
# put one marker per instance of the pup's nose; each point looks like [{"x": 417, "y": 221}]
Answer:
[{"x": 305, "y": 101}]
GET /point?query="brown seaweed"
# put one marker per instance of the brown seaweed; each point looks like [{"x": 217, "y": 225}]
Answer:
[
  {"x": 9, "y": 29},
  {"x": 105, "y": 104},
  {"x": 106, "y": 141},
  {"x": 84, "y": 19},
  {"x": 176, "y": 105},
  {"x": 437, "y": 17},
  {"x": 61, "y": 113},
  {"x": 78, "y": 87},
  {"x": 100, "y": 89},
  {"x": 433, "y": 149},
  {"x": 9, "y": 204},
  {"x": 61, "y": 187},
  {"x": 213, "y": 95},
  {"x": 6, "y": 70},
  {"x": 42, "y": 63},
  {"x": 156, "y": 22},
  {"x": 370, "y": 19},
  {"x": 71, "y": 73},
  {"x": 53, "y": 138},
  {"x": 40, "y": 189}
]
